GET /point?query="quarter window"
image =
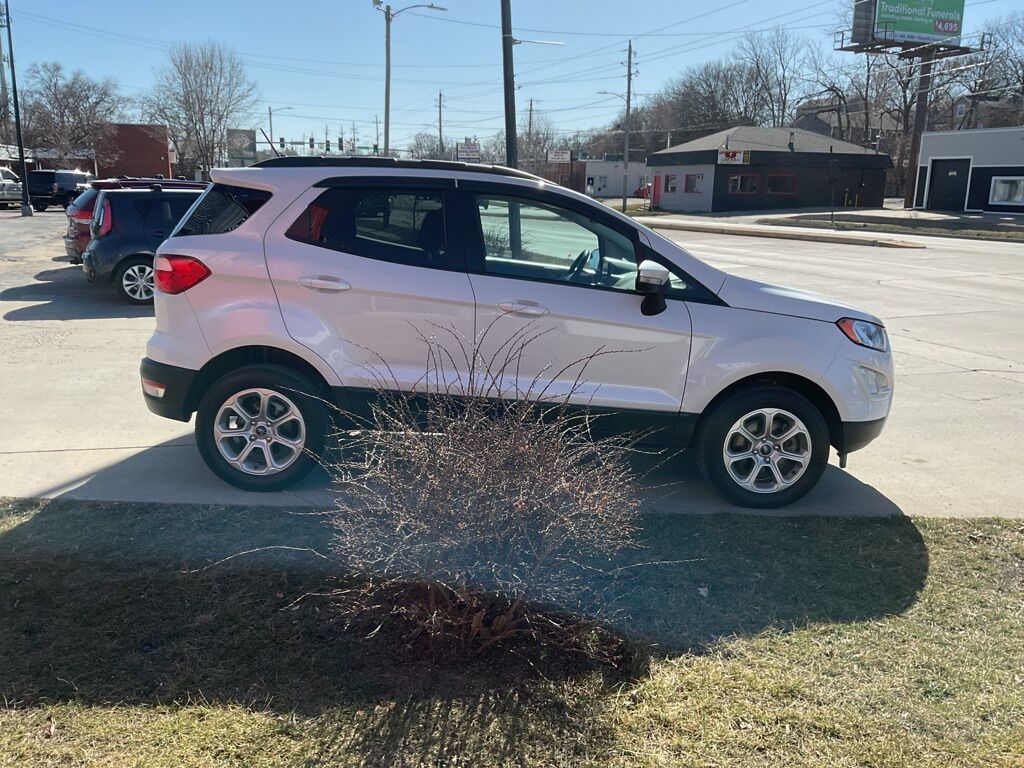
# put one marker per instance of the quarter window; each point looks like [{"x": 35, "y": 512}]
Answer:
[
  {"x": 535, "y": 241},
  {"x": 1007, "y": 190},
  {"x": 743, "y": 184},
  {"x": 404, "y": 227}
]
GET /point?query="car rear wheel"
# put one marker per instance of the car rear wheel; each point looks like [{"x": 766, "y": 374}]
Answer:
[
  {"x": 261, "y": 427},
  {"x": 134, "y": 280},
  {"x": 763, "y": 447},
  {"x": 39, "y": 207}
]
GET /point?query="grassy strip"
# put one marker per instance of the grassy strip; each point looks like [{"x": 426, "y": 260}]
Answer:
[
  {"x": 916, "y": 228},
  {"x": 775, "y": 642}
]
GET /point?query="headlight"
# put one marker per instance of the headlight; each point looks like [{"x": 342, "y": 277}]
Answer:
[{"x": 864, "y": 333}]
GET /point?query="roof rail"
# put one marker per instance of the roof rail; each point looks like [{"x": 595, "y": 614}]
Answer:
[{"x": 364, "y": 161}]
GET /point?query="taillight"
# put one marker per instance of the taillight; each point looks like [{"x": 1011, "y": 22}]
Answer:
[
  {"x": 79, "y": 215},
  {"x": 174, "y": 274},
  {"x": 105, "y": 221}
]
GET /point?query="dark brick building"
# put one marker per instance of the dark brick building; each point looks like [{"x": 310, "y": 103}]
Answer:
[{"x": 136, "y": 150}]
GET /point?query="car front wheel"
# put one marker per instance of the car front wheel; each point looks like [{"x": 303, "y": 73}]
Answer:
[
  {"x": 763, "y": 447},
  {"x": 261, "y": 427}
]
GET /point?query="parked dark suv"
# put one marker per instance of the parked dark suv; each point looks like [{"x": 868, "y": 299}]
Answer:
[
  {"x": 48, "y": 188},
  {"x": 79, "y": 212},
  {"x": 127, "y": 227}
]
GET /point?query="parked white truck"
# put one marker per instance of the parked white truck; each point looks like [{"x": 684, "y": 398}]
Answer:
[{"x": 10, "y": 187}]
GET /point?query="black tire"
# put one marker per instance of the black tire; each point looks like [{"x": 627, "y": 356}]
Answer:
[
  {"x": 40, "y": 207},
  {"x": 130, "y": 267},
  {"x": 286, "y": 384},
  {"x": 4, "y": 206},
  {"x": 718, "y": 424}
]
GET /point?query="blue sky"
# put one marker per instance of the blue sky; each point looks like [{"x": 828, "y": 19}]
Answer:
[{"x": 325, "y": 58}]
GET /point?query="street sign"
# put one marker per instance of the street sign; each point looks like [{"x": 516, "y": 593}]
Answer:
[
  {"x": 734, "y": 157},
  {"x": 467, "y": 153},
  {"x": 559, "y": 155},
  {"x": 923, "y": 21}
]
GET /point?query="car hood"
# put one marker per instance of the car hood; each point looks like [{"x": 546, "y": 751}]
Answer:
[{"x": 764, "y": 297}]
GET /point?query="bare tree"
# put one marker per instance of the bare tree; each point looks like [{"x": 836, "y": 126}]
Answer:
[
  {"x": 775, "y": 56},
  {"x": 69, "y": 112},
  {"x": 424, "y": 146},
  {"x": 201, "y": 92}
]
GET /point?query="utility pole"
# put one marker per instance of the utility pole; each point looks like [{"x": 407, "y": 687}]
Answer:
[
  {"x": 440, "y": 137},
  {"x": 270, "y": 119},
  {"x": 5, "y": 115},
  {"x": 507, "y": 41},
  {"x": 355, "y": 138},
  {"x": 625, "y": 151},
  {"x": 376, "y": 127},
  {"x": 529, "y": 140},
  {"x": 26, "y": 206},
  {"x": 924, "y": 82}
]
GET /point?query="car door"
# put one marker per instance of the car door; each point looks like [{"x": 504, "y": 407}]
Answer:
[
  {"x": 561, "y": 273},
  {"x": 366, "y": 270}
]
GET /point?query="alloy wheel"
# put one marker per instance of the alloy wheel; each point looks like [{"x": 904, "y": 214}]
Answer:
[
  {"x": 259, "y": 431},
  {"x": 767, "y": 450},
  {"x": 137, "y": 282}
]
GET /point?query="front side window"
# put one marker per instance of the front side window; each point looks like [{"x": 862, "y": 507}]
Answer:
[
  {"x": 401, "y": 226},
  {"x": 1007, "y": 190},
  {"x": 220, "y": 209},
  {"x": 743, "y": 184},
  {"x": 781, "y": 185},
  {"x": 535, "y": 241},
  {"x": 670, "y": 182},
  {"x": 7, "y": 175}
]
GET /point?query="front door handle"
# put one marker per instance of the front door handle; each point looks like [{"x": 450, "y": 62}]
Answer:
[
  {"x": 522, "y": 308},
  {"x": 323, "y": 283}
]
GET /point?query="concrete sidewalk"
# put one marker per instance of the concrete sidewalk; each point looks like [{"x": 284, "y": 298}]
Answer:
[{"x": 807, "y": 234}]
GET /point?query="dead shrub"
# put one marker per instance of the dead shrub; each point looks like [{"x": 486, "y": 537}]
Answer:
[{"x": 480, "y": 512}]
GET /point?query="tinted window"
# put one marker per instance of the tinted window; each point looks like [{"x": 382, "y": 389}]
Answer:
[
  {"x": 7, "y": 175},
  {"x": 221, "y": 209},
  {"x": 536, "y": 241},
  {"x": 84, "y": 201},
  {"x": 402, "y": 226}
]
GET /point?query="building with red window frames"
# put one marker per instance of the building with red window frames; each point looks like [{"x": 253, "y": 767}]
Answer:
[{"x": 749, "y": 168}]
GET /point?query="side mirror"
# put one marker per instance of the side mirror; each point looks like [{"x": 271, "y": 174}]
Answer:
[{"x": 651, "y": 279}]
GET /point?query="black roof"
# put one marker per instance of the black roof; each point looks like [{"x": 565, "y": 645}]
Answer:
[{"x": 365, "y": 161}]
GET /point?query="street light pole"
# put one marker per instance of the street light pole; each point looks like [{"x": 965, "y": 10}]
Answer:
[
  {"x": 388, "y": 16},
  {"x": 26, "y": 203},
  {"x": 629, "y": 95},
  {"x": 270, "y": 118}
]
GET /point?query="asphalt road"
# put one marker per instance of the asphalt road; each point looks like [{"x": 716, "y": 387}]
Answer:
[{"x": 75, "y": 424}]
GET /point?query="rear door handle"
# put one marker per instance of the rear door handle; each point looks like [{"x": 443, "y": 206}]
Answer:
[
  {"x": 522, "y": 308},
  {"x": 323, "y": 283}
]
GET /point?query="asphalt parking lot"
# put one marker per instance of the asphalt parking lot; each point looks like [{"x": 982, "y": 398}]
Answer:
[{"x": 75, "y": 424}]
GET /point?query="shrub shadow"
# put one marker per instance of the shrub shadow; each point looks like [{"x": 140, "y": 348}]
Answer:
[{"x": 63, "y": 293}]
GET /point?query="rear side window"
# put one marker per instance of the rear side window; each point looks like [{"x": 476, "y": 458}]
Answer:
[
  {"x": 401, "y": 226},
  {"x": 84, "y": 201},
  {"x": 221, "y": 209}
]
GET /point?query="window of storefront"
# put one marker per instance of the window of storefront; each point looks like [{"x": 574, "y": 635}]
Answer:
[
  {"x": 1007, "y": 190},
  {"x": 781, "y": 185},
  {"x": 691, "y": 182},
  {"x": 670, "y": 182},
  {"x": 743, "y": 184}
]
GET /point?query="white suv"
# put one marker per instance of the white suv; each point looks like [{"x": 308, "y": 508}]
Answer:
[{"x": 287, "y": 282}]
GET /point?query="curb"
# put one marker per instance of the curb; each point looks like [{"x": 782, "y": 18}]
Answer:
[{"x": 754, "y": 231}]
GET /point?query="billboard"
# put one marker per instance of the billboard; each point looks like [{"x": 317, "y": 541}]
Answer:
[
  {"x": 559, "y": 156},
  {"x": 241, "y": 146},
  {"x": 466, "y": 152},
  {"x": 921, "y": 21}
]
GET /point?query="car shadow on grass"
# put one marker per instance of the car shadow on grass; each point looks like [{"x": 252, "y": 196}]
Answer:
[
  {"x": 63, "y": 293},
  {"x": 134, "y": 603}
]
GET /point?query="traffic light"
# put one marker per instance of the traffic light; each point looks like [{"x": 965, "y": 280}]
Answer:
[
  {"x": 327, "y": 145},
  {"x": 312, "y": 144},
  {"x": 376, "y": 150},
  {"x": 282, "y": 142}
]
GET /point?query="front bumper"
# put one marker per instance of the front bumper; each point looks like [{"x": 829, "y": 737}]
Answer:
[
  {"x": 173, "y": 383},
  {"x": 857, "y": 434}
]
